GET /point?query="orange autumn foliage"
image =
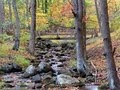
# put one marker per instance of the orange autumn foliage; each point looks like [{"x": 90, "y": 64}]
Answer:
[{"x": 67, "y": 10}]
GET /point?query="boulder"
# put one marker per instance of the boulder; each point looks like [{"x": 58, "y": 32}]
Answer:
[
  {"x": 30, "y": 71},
  {"x": 44, "y": 67},
  {"x": 58, "y": 48},
  {"x": 36, "y": 78},
  {"x": 63, "y": 79},
  {"x": 16, "y": 68},
  {"x": 7, "y": 79},
  {"x": 46, "y": 79},
  {"x": 38, "y": 85},
  {"x": 9, "y": 85},
  {"x": 30, "y": 85},
  {"x": 59, "y": 68},
  {"x": 11, "y": 67}
]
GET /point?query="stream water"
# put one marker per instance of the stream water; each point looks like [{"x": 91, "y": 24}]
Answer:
[
  {"x": 91, "y": 87},
  {"x": 57, "y": 56}
]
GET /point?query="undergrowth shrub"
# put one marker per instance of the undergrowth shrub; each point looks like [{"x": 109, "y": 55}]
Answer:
[
  {"x": 22, "y": 61},
  {"x": 24, "y": 38},
  {"x": 5, "y": 37},
  {"x": 72, "y": 63},
  {"x": 4, "y": 50}
]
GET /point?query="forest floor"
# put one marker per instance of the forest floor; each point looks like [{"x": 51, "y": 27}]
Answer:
[{"x": 95, "y": 58}]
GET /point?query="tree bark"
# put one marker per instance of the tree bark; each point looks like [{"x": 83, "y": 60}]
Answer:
[
  {"x": 27, "y": 12},
  {"x": 10, "y": 11},
  {"x": 33, "y": 27},
  {"x": 84, "y": 28},
  {"x": 17, "y": 30},
  {"x": 2, "y": 15},
  {"x": 82, "y": 66},
  {"x": 97, "y": 12},
  {"x": 46, "y": 6},
  {"x": 111, "y": 67},
  {"x": 38, "y": 3}
]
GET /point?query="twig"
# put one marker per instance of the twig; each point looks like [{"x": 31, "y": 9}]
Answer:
[
  {"x": 113, "y": 52},
  {"x": 95, "y": 74},
  {"x": 70, "y": 2},
  {"x": 74, "y": 13}
]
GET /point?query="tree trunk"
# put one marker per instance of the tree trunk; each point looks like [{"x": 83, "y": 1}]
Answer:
[
  {"x": 84, "y": 28},
  {"x": 42, "y": 1},
  {"x": 27, "y": 12},
  {"x": 17, "y": 30},
  {"x": 112, "y": 73},
  {"x": 97, "y": 12},
  {"x": 46, "y": 6},
  {"x": 10, "y": 16},
  {"x": 38, "y": 3},
  {"x": 33, "y": 27},
  {"x": 82, "y": 66},
  {"x": 10, "y": 11},
  {"x": 2, "y": 15}
]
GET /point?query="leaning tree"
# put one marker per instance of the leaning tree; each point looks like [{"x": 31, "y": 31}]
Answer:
[{"x": 104, "y": 25}]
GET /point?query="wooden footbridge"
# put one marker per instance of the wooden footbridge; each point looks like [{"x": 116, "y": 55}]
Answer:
[{"x": 61, "y": 33}]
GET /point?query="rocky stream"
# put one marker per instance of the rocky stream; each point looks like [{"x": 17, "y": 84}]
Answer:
[{"x": 49, "y": 70}]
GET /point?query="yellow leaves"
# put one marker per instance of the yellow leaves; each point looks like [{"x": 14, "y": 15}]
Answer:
[
  {"x": 4, "y": 49},
  {"x": 41, "y": 20},
  {"x": 55, "y": 11},
  {"x": 113, "y": 6},
  {"x": 40, "y": 14},
  {"x": 92, "y": 21}
]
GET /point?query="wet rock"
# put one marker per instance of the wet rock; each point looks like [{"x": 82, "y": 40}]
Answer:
[
  {"x": 63, "y": 79},
  {"x": 9, "y": 80},
  {"x": 54, "y": 59},
  {"x": 7, "y": 68},
  {"x": 11, "y": 67},
  {"x": 42, "y": 52},
  {"x": 62, "y": 59},
  {"x": 58, "y": 54},
  {"x": 71, "y": 45},
  {"x": 60, "y": 70},
  {"x": 64, "y": 45},
  {"x": 74, "y": 72},
  {"x": 16, "y": 68},
  {"x": 36, "y": 78},
  {"x": 38, "y": 85},
  {"x": 65, "y": 57},
  {"x": 58, "y": 64},
  {"x": 22, "y": 84},
  {"x": 30, "y": 85},
  {"x": 46, "y": 79},
  {"x": 9, "y": 85},
  {"x": 44, "y": 67},
  {"x": 90, "y": 79},
  {"x": 30, "y": 71},
  {"x": 51, "y": 62},
  {"x": 104, "y": 87},
  {"x": 49, "y": 55},
  {"x": 58, "y": 48}
]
